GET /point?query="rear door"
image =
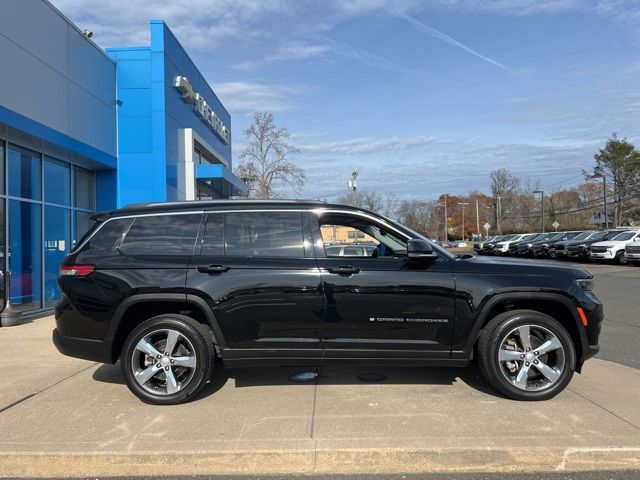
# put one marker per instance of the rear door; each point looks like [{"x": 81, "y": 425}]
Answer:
[{"x": 257, "y": 272}]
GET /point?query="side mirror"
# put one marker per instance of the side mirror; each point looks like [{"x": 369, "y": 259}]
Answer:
[{"x": 420, "y": 250}]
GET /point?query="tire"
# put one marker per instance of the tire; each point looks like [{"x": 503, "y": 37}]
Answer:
[
  {"x": 503, "y": 330},
  {"x": 552, "y": 254},
  {"x": 190, "y": 363},
  {"x": 621, "y": 258}
]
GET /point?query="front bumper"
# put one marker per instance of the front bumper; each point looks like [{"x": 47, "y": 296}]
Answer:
[
  {"x": 87, "y": 349},
  {"x": 608, "y": 255}
]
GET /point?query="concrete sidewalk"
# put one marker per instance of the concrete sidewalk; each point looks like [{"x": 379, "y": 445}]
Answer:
[{"x": 80, "y": 419}]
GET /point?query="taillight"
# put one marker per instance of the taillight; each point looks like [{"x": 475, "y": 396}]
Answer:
[{"x": 76, "y": 270}]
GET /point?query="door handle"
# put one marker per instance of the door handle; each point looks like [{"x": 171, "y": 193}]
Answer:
[
  {"x": 344, "y": 270},
  {"x": 212, "y": 269}
]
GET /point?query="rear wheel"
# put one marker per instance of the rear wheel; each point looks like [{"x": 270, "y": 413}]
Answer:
[
  {"x": 167, "y": 359},
  {"x": 526, "y": 355}
]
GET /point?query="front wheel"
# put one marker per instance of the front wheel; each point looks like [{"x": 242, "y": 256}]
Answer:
[
  {"x": 526, "y": 355},
  {"x": 553, "y": 255},
  {"x": 167, "y": 359},
  {"x": 621, "y": 258}
]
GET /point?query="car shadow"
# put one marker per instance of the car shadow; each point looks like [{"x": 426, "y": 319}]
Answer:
[{"x": 325, "y": 375}]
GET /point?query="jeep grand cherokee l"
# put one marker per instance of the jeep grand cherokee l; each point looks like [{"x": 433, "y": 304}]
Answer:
[{"x": 170, "y": 288}]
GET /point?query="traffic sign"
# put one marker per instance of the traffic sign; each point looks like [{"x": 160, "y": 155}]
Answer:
[
  {"x": 487, "y": 226},
  {"x": 555, "y": 225}
]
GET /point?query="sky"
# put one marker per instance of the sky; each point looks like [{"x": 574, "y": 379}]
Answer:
[{"x": 422, "y": 98}]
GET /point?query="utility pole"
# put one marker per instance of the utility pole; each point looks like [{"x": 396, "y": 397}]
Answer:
[
  {"x": 542, "y": 207},
  {"x": 464, "y": 204},
  {"x": 446, "y": 221},
  {"x": 477, "y": 220},
  {"x": 353, "y": 185}
]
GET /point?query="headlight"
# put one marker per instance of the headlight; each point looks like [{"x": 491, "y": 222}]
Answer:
[
  {"x": 585, "y": 284},
  {"x": 607, "y": 246},
  {"x": 583, "y": 245}
]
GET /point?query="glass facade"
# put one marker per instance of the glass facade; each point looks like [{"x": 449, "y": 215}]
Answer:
[{"x": 46, "y": 203}]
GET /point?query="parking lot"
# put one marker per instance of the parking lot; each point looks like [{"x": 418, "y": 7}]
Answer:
[{"x": 67, "y": 417}]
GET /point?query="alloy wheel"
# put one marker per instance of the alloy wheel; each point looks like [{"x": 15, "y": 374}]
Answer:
[
  {"x": 163, "y": 362},
  {"x": 531, "y": 358}
]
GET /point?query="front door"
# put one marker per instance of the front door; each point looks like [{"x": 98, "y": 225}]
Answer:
[
  {"x": 257, "y": 272},
  {"x": 378, "y": 303}
]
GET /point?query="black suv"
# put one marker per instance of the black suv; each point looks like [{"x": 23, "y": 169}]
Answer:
[{"x": 169, "y": 288}]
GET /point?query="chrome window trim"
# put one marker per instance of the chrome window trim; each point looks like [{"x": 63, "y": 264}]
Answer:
[{"x": 190, "y": 212}]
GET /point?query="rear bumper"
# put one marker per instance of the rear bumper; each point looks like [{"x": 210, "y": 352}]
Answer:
[{"x": 87, "y": 349}]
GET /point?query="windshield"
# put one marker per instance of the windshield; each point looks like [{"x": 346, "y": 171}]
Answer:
[
  {"x": 583, "y": 236},
  {"x": 531, "y": 236},
  {"x": 624, "y": 236}
]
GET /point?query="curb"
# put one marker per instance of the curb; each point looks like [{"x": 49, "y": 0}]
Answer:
[{"x": 352, "y": 461}]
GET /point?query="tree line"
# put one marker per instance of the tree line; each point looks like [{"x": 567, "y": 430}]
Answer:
[{"x": 267, "y": 165}]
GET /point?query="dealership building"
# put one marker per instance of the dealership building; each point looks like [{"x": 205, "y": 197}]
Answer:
[{"x": 84, "y": 130}]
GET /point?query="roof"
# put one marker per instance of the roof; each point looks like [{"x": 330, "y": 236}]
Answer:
[{"x": 145, "y": 208}]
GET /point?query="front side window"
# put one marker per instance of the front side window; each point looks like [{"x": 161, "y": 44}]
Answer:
[
  {"x": 162, "y": 235},
  {"x": 373, "y": 239},
  {"x": 265, "y": 234}
]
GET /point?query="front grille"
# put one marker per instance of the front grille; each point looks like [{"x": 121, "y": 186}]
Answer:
[
  {"x": 633, "y": 249},
  {"x": 573, "y": 248},
  {"x": 559, "y": 247},
  {"x": 598, "y": 249}
]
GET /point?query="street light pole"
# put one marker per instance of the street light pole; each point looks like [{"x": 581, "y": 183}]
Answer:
[
  {"x": 446, "y": 221},
  {"x": 542, "y": 207},
  {"x": 464, "y": 204},
  {"x": 598, "y": 173},
  {"x": 477, "y": 219}
]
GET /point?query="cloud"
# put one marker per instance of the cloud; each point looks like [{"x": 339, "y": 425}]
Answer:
[
  {"x": 426, "y": 29},
  {"x": 369, "y": 59},
  {"x": 243, "y": 98},
  {"x": 287, "y": 51},
  {"x": 369, "y": 145}
]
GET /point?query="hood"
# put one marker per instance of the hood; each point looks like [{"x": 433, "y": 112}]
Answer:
[{"x": 514, "y": 266}]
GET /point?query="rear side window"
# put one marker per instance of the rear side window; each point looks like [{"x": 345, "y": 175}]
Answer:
[
  {"x": 213, "y": 238},
  {"x": 107, "y": 235},
  {"x": 162, "y": 235},
  {"x": 265, "y": 234}
]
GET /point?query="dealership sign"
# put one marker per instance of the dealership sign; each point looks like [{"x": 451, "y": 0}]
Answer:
[{"x": 203, "y": 109}]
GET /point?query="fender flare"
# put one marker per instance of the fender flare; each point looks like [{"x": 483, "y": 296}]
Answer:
[
  {"x": 506, "y": 296},
  {"x": 128, "y": 302}
]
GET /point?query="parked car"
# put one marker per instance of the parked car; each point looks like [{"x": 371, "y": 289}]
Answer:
[
  {"x": 581, "y": 249},
  {"x": 614, "y": 249},
  {"x": 526, "y": 248},
  {"x": 540, "y": 248},
  {"x": 515, "y": 246},
  {"x": 502, "y": 247},
  {"x": 487, "y": 248},
  {"x": 559, "y": 249},
  {"x": 632, "y": 252},
  {"x": 169, "y": 289},
  {"x": 479, "y": 245}
]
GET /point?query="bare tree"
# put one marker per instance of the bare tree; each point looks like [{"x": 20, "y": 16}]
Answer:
[
  {"x": 504, "y": 188},
  {"x": 266, "y": 161},
  {"x": 363, "y": 198}
]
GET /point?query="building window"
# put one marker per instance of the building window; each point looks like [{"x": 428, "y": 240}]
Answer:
[
  {"x": 57, "y": 182},
  {"x": 57, "y": 233},
  {"x": 47, "y": 205},
  {"x": 201, "y": 156},
  {"x": 25, "y": 255},
  {"x": 85, "y": 189},
  {"x": 24, "y": 173}
]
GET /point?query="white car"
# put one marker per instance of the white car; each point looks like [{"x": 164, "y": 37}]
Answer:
[
  {"x": 502, "y": 248},
  {"x": 614, "y": 249},
  {"x": 632, "y": 252}
]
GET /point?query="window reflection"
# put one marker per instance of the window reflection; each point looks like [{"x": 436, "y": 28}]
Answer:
[
  {"x": 162, "y": 235},
  {"x": 25, "y": 249},
  {"x": 24, "y": 173},
  {"x": 57, "y": 182},
  {"x": 57, "y": 232}
]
